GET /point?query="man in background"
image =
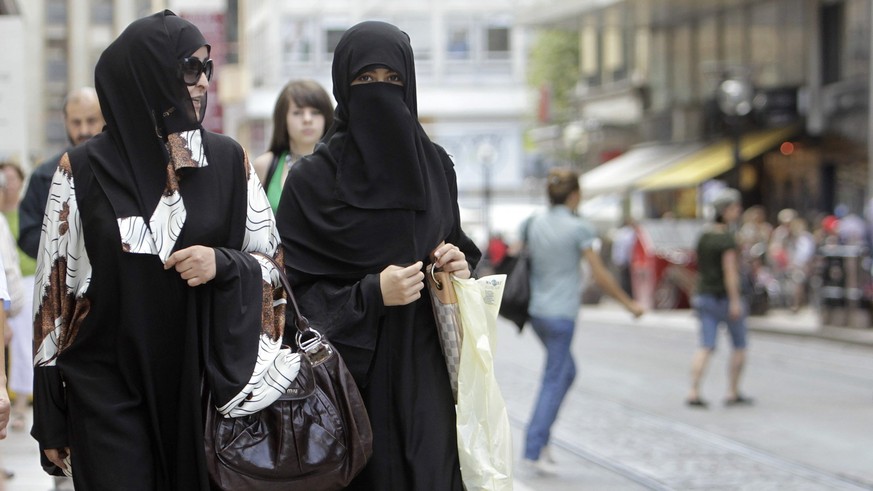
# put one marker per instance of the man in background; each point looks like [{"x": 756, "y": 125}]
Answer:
[{"x": 82, "y": 120}]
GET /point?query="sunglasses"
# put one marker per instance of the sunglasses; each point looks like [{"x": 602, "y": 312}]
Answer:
[{"x": 192, "y": 67}]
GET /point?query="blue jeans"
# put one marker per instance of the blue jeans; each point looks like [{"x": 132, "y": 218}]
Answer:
[
  {"x": 713, "y": 311},
  {"x": 556, "y": 334}
]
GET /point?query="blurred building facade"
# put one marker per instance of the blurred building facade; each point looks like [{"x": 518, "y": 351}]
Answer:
[
  {"x": 470, "y": 68},
  {"x": 471, "y": 60},
  {"x": 651, "y": 88},
  {"x": 53, "y": 47}
]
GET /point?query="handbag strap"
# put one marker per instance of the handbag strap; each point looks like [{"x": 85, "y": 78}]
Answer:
[
  {"x": 308, "y": 339},
  {"x": 302, "y": 323},
  {"x": 525, "y": 231}
]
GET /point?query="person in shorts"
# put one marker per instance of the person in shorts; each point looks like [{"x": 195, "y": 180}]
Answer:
[{"x": 718, "y": 298}]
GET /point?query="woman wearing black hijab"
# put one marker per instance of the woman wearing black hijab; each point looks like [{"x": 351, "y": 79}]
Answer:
[
  {"x": 146, "y": 283},
  {"x": 358, "y": 219}
]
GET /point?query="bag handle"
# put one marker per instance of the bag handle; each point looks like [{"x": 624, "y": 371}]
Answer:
[
  {"x": 302, "y": 323},
  {"x": 308, "y": 339}
]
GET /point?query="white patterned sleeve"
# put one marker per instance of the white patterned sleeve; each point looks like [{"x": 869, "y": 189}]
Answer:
[
  {"x": 276, "y": 366},
  {"x": 63, "y": 271}
]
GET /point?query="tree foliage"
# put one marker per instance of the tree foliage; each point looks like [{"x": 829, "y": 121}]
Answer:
[{"x": 554, "y": 63}]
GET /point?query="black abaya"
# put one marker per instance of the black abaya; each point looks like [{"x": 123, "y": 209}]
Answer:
[{"x": 379, "y": 193}]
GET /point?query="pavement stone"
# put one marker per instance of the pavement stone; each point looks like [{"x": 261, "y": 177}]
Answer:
[{"x": 624, "y": 449}]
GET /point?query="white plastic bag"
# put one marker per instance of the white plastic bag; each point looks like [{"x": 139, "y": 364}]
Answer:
[{"x": 484, "y": 436}]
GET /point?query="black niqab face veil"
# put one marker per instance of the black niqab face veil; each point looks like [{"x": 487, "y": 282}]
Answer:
[
  {"x": 386, "y": 160},
  {"x": 145, "y": 104}
]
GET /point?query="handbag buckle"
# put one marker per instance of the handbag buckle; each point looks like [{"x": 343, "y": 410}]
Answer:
[{"x": 317, "y": 351}]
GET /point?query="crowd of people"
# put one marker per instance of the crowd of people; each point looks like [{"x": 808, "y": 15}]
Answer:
[{"x": 784, "y": 266}]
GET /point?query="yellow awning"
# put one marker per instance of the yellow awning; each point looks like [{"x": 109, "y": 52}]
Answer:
[
  {"x": 713, "y": 160},
  {"x": 625, "y": 171}
]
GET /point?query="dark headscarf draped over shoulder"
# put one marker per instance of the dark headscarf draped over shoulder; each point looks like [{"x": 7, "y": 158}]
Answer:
[
  {"x": 376, "y": 193},
  {"x": 143, "y": 101}
]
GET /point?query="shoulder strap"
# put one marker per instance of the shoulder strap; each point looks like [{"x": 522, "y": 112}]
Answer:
[
  {"x": 525, "y": 231},
  {"x": 302, "y": 323}
]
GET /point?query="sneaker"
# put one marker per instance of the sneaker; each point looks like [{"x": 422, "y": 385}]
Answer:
[
  {"x": 546, "y": 455},
  {"x": 535, "y": 468}
]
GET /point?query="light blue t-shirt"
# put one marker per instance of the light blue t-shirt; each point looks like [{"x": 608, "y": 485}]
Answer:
[{"x": 556, "y": 241}]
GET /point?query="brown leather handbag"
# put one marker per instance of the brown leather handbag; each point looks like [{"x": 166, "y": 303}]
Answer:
[{"x": 316, "y": 436}]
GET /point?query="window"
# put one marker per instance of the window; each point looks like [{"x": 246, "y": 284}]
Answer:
[
  {"x": 831, "y": 36},
  {"x": 56, "y": 61},
  {"x": 856, "y": 52},
  {"x": 659, "y": 70},
  {"x": 56, "y": 12},
  {"x": 297, "y": 39},
  {"x": 614, "y": 47},
  {"x": 101, "y": 11},
  {"x": 794, "y": 42},
  {"x": 734, "y": 37},
  {"x": 682, "y": 60},
  {"x": 458, "y": 47},
  {"x": 497, "y": 43},
  {"x": 589, "y": 38},
  {"x": 708, "y": 57},
  {"x": 331, "y": 39},
  {"x": 764, "y": 31}
]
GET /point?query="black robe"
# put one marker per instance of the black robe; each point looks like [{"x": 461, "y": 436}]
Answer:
[
  {"x": 393, "y": 352},
  {"x": 122, "y": 345},
  {"x": 377, "y": 193},
  {"x": 124, "y": 391}
]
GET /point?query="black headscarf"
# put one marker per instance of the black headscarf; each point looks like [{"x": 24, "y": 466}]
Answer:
[
  {"x": 379, "y": 192},
  {"x": 145, "y": 104},
  {"x": 385, "y": 158}
]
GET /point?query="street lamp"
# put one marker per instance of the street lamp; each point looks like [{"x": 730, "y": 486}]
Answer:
[
  {"x": 734, "y": 97},
  {"x": 486, "y": 154}
]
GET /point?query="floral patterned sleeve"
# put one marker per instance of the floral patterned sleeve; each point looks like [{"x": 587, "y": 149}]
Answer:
[{"x": 62, "y": 276}]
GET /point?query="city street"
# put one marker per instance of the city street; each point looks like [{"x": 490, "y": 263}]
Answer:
[
  {"x": 808, "y": 429},
  {"x": 624, "y": 425}
]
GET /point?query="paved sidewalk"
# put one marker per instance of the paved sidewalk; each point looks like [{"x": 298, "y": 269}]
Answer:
[
  {"x": 20, "y": 454},
  {"x": 805, "y": 322}
]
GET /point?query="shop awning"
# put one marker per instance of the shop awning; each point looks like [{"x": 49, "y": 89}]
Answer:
[
  {"x": 625, "y": 171},
  {"x": 713, "y": 160}
]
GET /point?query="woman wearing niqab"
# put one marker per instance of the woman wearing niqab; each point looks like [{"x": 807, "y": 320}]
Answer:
[
  {"x": 358, "y": 219},
  {"x": 148, "y": 285}
]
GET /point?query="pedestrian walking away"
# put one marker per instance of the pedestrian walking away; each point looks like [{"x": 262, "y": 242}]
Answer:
[
  {"x": 557, "y": 241},
  {"x": 359, "y": 218},
  {"x": 147, "y": 285},
  {"x": 718, "y": 299}
]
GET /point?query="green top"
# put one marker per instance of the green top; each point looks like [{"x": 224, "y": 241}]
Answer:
[
  {"x": 274, "y": 187},
  {"x": 710, "y": 248},
  {"x": 27, "y": 263}
]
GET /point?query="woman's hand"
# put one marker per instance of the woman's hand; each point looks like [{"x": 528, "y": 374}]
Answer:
[
  {"x": 196, "y": 264},
  {"x": 401, "y": 285},
  {"x": 452, "y": 260},
  {"x": 735, "y": 309},
  {"x": 57, "y": 456}
]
